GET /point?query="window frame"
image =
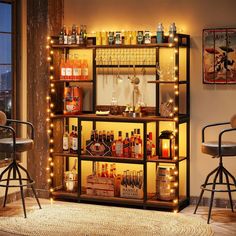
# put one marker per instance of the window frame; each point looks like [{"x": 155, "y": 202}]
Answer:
[{"x": 15, "y": 61}]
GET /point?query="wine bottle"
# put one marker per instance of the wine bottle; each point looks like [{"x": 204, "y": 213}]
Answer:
[{"x": 65, "y": 140}]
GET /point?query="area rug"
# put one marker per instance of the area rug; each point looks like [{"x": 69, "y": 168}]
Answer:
[{"x": 95, "y": 220}]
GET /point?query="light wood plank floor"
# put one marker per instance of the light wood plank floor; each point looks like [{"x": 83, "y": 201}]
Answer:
[{"x": 223, "y": 221}]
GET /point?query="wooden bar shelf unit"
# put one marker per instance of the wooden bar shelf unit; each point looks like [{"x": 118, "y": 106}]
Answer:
[{"x": 152, "y": 168}]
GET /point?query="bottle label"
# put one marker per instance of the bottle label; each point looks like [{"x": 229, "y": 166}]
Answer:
[
  {"x": 76, "y": 71},
  {"x": 84, "y": 71},
  {"x": 69, "y": 39},
  {"x": 74, "y": 144},
  {"x": 65, "y": 39},
  {"x": 68, "y": 71},
  {"x": 77, "y": 39},
  {"x": 119, "y": 148},
  {"x": 65, "y": 143},
  {"x": 63, "y": 71}
]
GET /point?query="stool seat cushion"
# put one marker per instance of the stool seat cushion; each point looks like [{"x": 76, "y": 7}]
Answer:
[
  {"x": 228, "y": 148},
  {"x": 22, "y": 144}
]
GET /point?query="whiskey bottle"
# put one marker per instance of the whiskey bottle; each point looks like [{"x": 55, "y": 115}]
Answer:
[
  {"x": 73, "y": 34},
  {"x": 66, "y": 140},
  {"x": 81, "y": 33},
  {"x": 92, "y": 136},
  {"x": 75, "y": 141},
  {"x": 126, "y": 146},
  {"x": 119, "y": 145}
]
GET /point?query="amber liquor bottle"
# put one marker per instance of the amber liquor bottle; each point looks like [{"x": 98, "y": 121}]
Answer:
[
  {"x": 119, "y": 145},
  {"x": 126, "y": 146}
]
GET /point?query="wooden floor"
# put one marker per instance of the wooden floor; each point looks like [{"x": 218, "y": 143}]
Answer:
[{"x": 223, "y": 220}]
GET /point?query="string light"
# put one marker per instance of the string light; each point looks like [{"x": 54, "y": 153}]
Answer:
[{"x": 175, "y": 201}]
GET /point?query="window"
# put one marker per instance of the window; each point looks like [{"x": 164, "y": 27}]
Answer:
[
  {"x": 7, "y": 57},
  {"x": 7, "y": 63}
]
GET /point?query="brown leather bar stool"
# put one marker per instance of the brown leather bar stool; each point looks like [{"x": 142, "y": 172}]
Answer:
[
  {"x": 219, "y": 149},
  {"x": 15, "y": 145}
]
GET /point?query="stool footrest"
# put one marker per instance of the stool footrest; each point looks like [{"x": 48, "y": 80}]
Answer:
[
  {"x": 30, "y": 182},
  {"x": 218, "y": 190}
]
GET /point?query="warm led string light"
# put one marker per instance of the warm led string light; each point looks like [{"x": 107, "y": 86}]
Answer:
[
  {"x": 50, "y": 114},
  {"x": 174, "y": 115}
]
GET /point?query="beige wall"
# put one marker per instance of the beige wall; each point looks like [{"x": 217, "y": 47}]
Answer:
[{"x": 209, "y": 103}]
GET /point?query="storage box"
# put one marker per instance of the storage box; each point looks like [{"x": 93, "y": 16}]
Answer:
[
  {"x": 131, "y": 192},
  {"x": 100, "y": 186}
]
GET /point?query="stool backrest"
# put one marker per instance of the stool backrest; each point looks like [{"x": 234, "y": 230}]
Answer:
[
  {"x": 3, "y": 118},
  {"x": 233, "y": 121}
]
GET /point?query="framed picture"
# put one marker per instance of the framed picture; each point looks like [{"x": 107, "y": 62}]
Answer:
[{"x": 219, "y": 56}]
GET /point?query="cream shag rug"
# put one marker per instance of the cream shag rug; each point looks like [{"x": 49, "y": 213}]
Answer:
[{"x": 85, "y": 219}]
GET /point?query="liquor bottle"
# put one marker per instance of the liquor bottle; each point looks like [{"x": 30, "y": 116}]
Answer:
[
  {"x": 69, "y": 37},
  {"x": 111, "y": 171},
  {"x": 75, "y": 141},
  {"x": 149, "y": 147},
  {"x": 119, "y": 145},
  {"x": 106, "y": 171},
  {"x": 140, "y": 144},
  {"x": 126, "y": 146},
  {"x": 172, "y": 33},
  {"x": 85, "y": 35},
  {"x": 132, "y": 149},
  {"x": 103, "y": 171},
  {"x": 104, "y": 137},
  {"x": 92, "y": 136},
  {"x": 81, "y": 33},
  {"x": 113, "y": 144},
  {"x": 96, "y": 136},
  {"x": 68, "y": 68},
  {"x": 61, "y": 36},
  {"x": 77, "y": 35},
  {"x": 70, "y": 137},
  {"x": 152, "y": 144},
  {"x": 114, "y": 169},
  {"x": 84, "y": 70},
  {"x": 73, "y": 34},
  {"x": 62, "y": 67},
  {"x": 100, "y": 137},
  {"x": 98, "y": 174},
  {"x": 66, "y": 140},
  {"x": 108, "y": 139},
  {"x": 160, "y": 33},
  {"x": 76, "y": 68},
  {"x": 65, "y": 36}
]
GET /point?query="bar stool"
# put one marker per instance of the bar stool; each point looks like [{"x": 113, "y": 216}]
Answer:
[
  {"x": 15, "y": 145},
  {"x": 219, "y": 149}
]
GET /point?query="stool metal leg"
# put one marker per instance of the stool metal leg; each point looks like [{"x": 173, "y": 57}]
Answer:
[
  {"x": 21, "y": 189},
  {"x": 31, "y": 180},
  {"x": 212, "y": 195},
  {"x": 233, "y": 178},
  {"x": 204, "y": 185},
  {"x": 4, "y": 171},
  {"x": 7, "y": 185},
  {"x": 229, "y": 191}
]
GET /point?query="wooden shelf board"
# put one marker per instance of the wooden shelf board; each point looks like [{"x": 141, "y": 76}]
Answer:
[
  {"x": 118, "y": 200},
  {"x": 112, "y": 159}
]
